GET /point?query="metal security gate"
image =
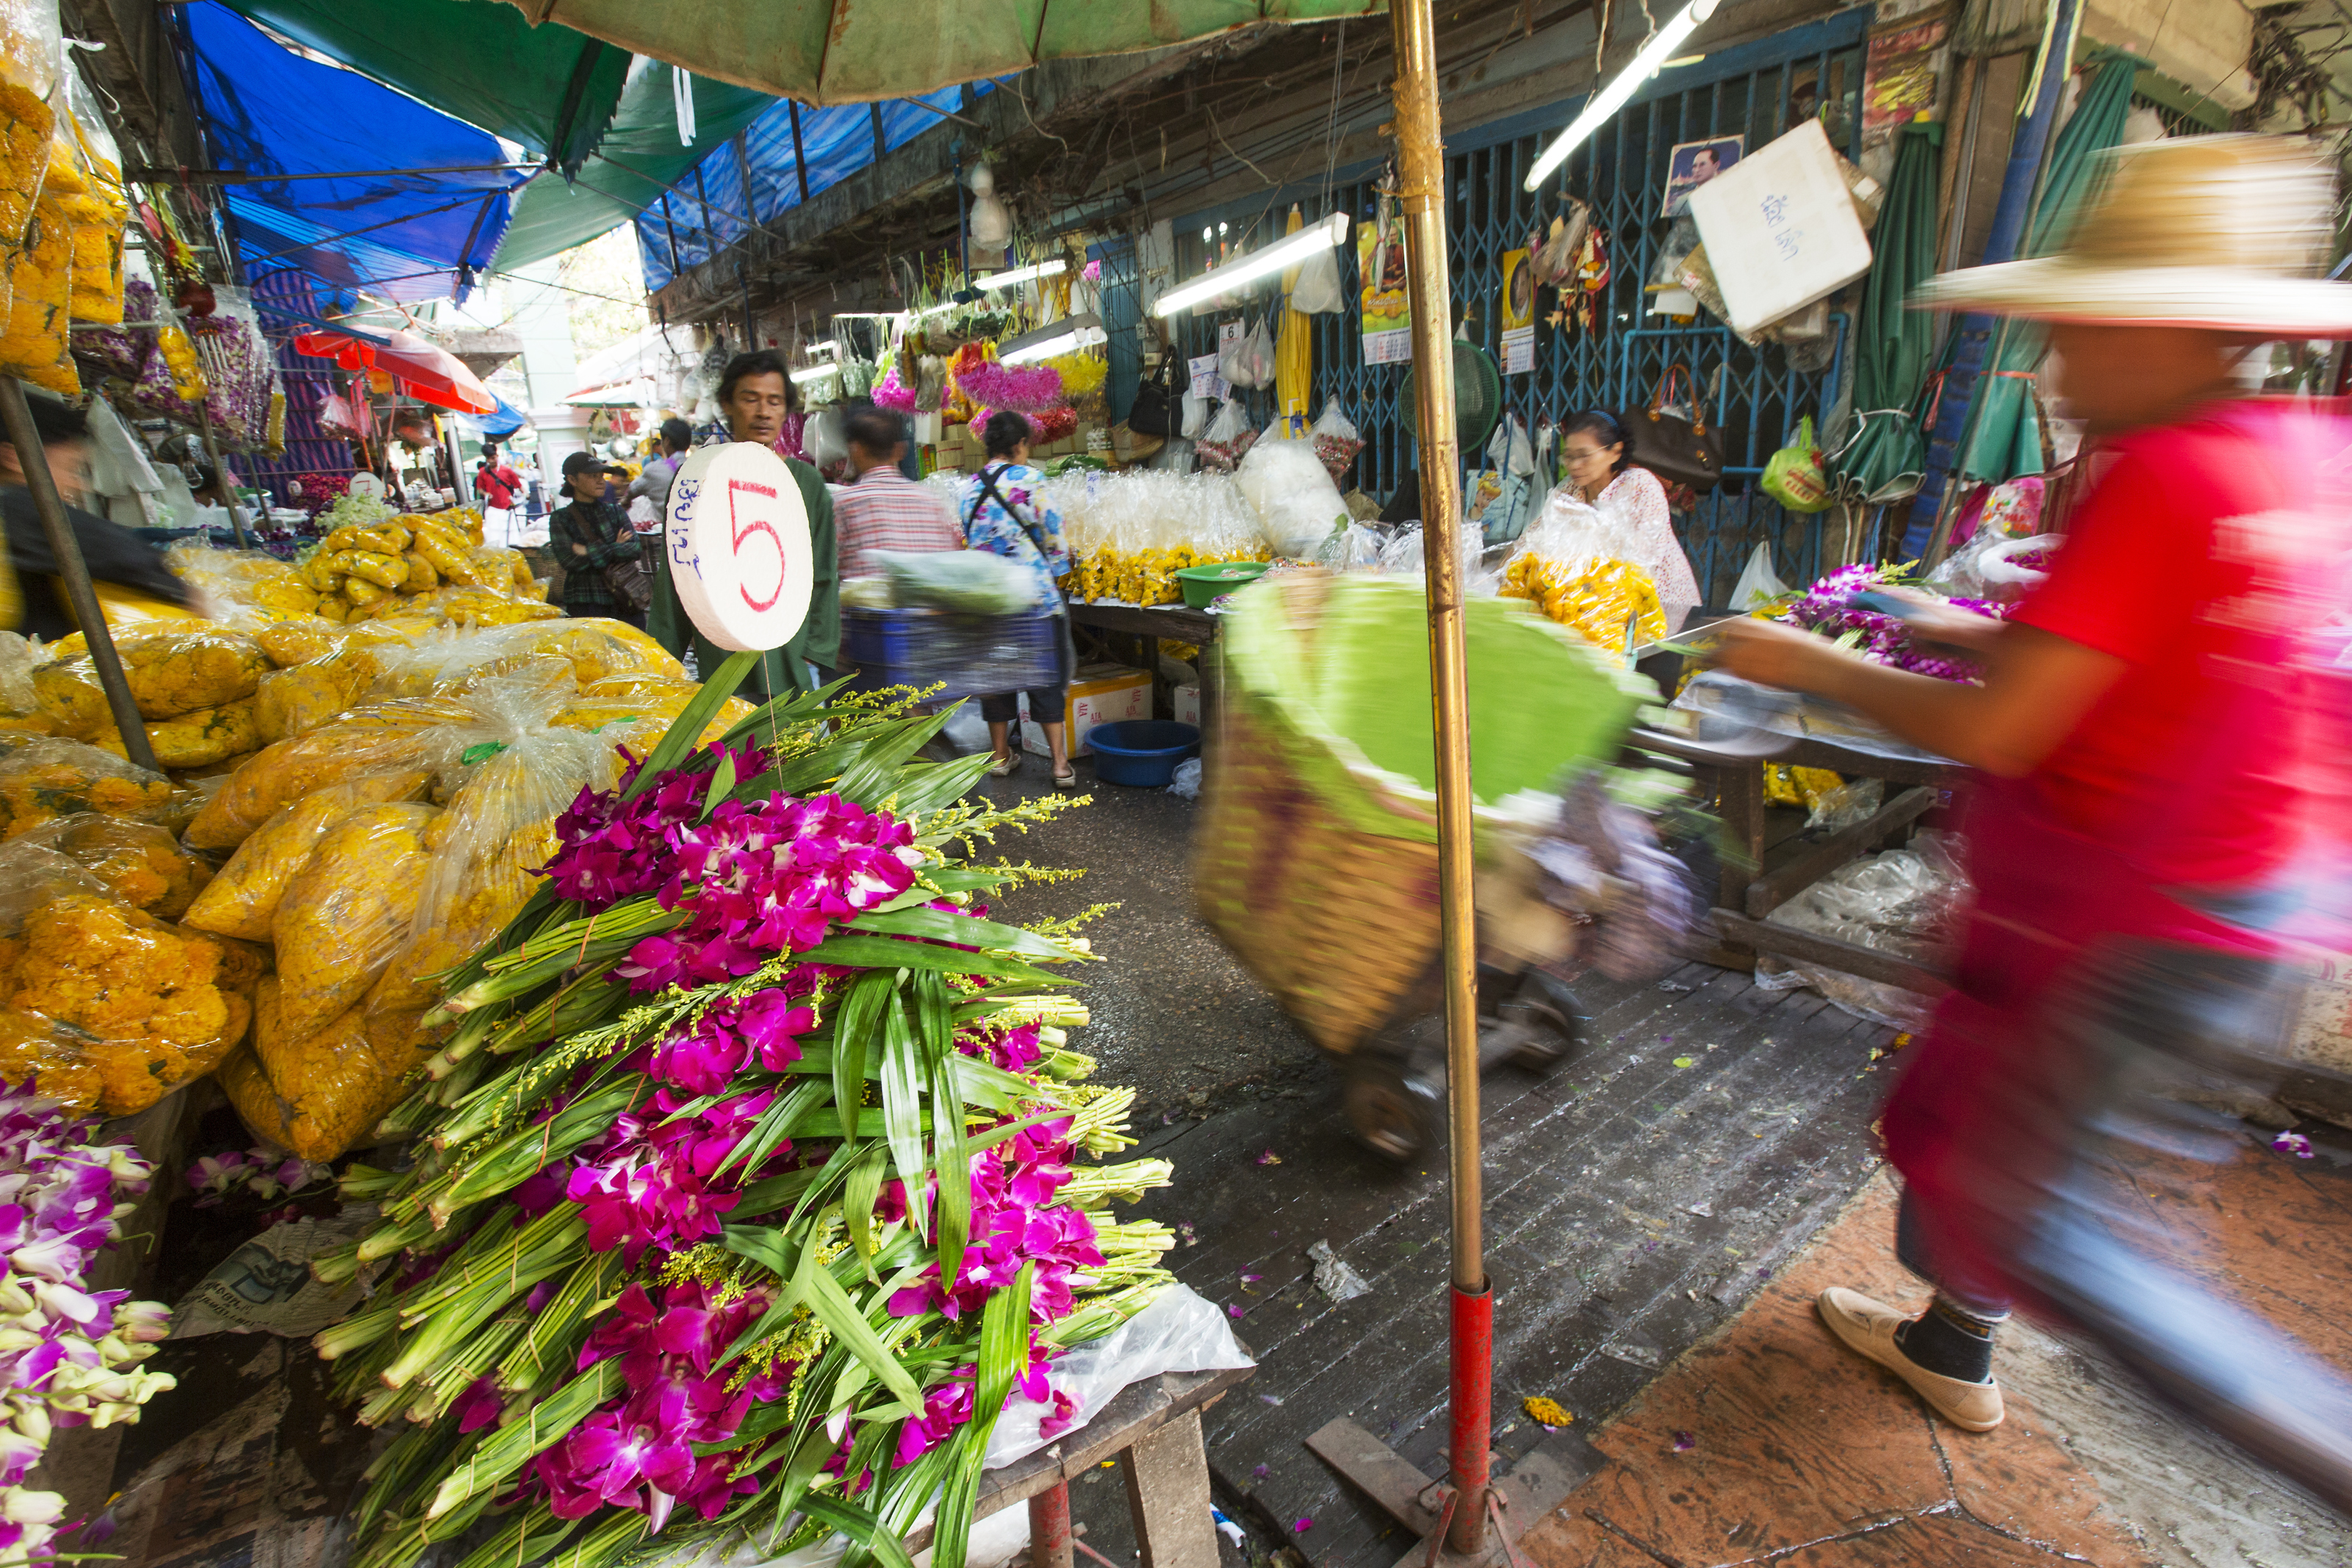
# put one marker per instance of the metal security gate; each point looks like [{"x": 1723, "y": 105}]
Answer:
[{"x": 1753, "y": 395}]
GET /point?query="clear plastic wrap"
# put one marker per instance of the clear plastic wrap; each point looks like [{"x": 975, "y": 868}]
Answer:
[
  {"x": 1904, "y": 901},
  {"x": 485, "y": 850},
  {"x": 40, "y": 278},
  {"x": 1585, "y": 569},
  {"x": 242, "y": 900},
  {"x": 43, "y": 780},
  {"x": 98, "y": 213},
  {"x": 205, "y": 737},
  {"x": 1129, "y": 534},
  {"x": 971, "y": 581},
  {"x": 1298, "y": 505},
  {"x": 153, "y": 999},
  {"x": 171, "y": 673},
  {"x": 348, "y": 910},
  {"x": 138, "y": 862},
  {"x": 52, "y": 1056},
  {"x": 456, "y": 660},
  {"x": 29, "y": 46}
]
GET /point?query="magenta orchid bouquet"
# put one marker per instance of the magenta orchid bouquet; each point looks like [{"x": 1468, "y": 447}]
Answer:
[
  {"x": 69, "y": 1356},
  {"x": 1828, "y": 608},
  {"x": 755, "y": 1175}
]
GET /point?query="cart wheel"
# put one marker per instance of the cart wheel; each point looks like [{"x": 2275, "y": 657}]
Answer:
[
  {"x": 1555, "y": 1020},
  {"x": 1392, "y": 1112}
]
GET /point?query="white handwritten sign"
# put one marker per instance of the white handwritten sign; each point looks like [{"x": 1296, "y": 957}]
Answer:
[
  {"x": 737, "y": 535},
  {"x": 1780, "y": 228}
]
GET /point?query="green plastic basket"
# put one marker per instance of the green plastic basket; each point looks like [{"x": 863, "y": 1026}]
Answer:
[{"x": 1203, "y": 584}]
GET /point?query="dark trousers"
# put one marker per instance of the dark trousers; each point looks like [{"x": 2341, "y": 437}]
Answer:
[{"x": 1048, "y": 704}]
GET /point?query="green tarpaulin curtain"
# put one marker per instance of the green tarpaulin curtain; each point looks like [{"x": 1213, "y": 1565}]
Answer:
[
  {"x": 855, "y": 51},
  {"x": 549, "y": 88},
  {"x": 638, "y": 159},
  {"x": 2004, "y": 433},
  {"x": 1887, "y": 455}
]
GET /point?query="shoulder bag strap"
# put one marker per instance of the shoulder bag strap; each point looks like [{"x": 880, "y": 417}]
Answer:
[{"x": 1029, "y": 529}]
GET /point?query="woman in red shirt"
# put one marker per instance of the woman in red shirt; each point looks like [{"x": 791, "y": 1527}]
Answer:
[{"x": 2155, "y": 734}]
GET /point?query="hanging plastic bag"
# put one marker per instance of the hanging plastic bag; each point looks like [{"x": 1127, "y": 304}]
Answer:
[
  {"x": 1506, "y": 517},
  {"x": 347, "y": 911},
  {"x": 1317, "y": 291},
  {"x": 1228, "y": 438},
  {"x": 1758, "y": 584},
  {"x": 1196, "y": 416},
  {"x": 1234, "y": 360},
  {"x": 1337, "y": 441},
  {"x": 1262, "y": 360},
  {"x": 1297, "y": 504},
  {"x": 1793, "y": 477}
]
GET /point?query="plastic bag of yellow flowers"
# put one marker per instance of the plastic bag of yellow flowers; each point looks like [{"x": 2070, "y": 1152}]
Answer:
[
  {"x": 315, "y": 1093},
  {"x": 149, "y": 1005},
  {"x": 43, "y": 780},
  {"x": 138, "y": 862},
  {"x": 242, "y": 900},
  {"x": 348, "y": 911},
  {"x": 483, "y": 853},
  {"x": 194, "y": 688},
  {"x": 593, "y": 648}
]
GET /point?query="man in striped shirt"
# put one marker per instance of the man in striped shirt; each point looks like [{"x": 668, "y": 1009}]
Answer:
[{"x": 884, "y": 510}]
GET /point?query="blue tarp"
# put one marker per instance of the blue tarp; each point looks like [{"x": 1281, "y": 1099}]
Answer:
[
  {"x": 268, "y": 110},
  {"x": 498, "y": 425},
  {"x": 706, "y": 211}
]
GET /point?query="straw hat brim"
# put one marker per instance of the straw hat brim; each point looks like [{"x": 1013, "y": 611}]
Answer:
[{"x": 2063, "y": 288}]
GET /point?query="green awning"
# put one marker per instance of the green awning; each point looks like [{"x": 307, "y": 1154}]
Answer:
[
  {"x": 638, "y": 159},
  {"x": 855, "y": 51},
  {"x": 2004, "y": 433},
  {"x": 548, "y": 88},
  {"x": 1888, "y": 455}
]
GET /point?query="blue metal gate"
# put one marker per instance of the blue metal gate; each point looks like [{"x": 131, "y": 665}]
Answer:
[{"x": 1757, "y": 91}]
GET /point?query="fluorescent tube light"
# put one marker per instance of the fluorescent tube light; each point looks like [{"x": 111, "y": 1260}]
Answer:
[
  {"x": 1610, "y": 99},
  {"x": 816, "y": 372},
  {"x": 827, "y": 346},
  {"x": 1283, "y": 254},
  {"x": 1065, "y": 336},
  {"x": 1047, "y": 268}
]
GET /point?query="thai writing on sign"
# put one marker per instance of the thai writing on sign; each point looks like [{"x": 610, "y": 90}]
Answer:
[
  {"x": 737, "y": 540},
  {"x": 1785, "y": 234}
]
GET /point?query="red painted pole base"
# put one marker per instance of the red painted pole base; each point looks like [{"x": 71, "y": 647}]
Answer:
[
  {"x": 1473, "y": 1380},
  {"x": 1049, "y": 1528}
]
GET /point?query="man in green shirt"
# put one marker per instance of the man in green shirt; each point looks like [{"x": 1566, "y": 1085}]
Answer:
[{"x": 755, "y": 393}]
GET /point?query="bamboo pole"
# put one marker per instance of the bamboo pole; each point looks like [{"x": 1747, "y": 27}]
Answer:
[
  {"x": 16, "y": 419},
  {"x": 1421, "y": 163}
]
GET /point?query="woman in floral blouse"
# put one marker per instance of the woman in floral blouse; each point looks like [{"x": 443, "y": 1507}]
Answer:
[
  {"x": 1596, "y": 452},
  {"x": 1003, "y": 513}
]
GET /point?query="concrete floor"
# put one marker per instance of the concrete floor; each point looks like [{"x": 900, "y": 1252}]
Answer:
[{"x": 1657, "y": 1205}]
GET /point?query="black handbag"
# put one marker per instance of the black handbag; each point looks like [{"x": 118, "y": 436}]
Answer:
[
  {"x": 1678, "y": 451},
  {"x": 1153, "y": 412}
]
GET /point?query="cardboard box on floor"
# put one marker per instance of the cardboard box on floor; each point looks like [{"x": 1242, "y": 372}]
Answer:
[
  {"x": 1102, "y": 694},
  {"x": 1187, "y": 700}
]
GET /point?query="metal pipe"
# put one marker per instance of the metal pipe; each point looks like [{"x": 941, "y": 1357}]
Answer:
[
  {"x": 16, "y": 419},
  {"x": 1420, "y": 169},
  {"x": 1050, "y": 1538},
  {"x": 220, "y": 472}
]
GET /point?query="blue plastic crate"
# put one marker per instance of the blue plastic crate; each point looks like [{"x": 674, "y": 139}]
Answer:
[{"x": 971, "y": 656}]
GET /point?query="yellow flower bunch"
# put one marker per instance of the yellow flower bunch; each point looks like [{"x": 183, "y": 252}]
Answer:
[
  {"x": 45, "y": 780},
  {"x": 1081, "y": 373},
  {"x": 1594, "y": 601}
]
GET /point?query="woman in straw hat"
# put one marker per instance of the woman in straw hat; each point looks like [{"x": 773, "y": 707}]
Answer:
[{"x": 2153, "y": 730}]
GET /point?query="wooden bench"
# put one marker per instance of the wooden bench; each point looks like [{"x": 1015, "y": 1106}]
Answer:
[{"x": 1153, "y": 1428}]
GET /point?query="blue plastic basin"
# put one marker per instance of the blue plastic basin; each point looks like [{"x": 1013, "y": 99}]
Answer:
[{"x": 1141, "y": 751}]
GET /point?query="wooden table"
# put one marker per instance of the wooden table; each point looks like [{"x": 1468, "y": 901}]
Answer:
[
  {"x": 1153, "y": 1428},
  {"x": 1167, "y": 623},
  {"x": 1775, "y": 874}
]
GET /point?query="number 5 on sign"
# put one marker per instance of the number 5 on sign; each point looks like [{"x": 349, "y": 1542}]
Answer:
[{"x": 738, "y": 538}]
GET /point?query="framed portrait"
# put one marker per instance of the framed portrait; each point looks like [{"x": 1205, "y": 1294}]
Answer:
[{"x": 1693, "y": 163}]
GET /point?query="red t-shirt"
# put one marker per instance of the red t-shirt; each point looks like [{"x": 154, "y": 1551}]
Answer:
[
  {"x": 2200, "y": 559},
  {"x": 499, "y": 484}
]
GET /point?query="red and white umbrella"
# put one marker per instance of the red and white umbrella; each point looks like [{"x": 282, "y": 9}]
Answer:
[{"x": 432, "y": 373}]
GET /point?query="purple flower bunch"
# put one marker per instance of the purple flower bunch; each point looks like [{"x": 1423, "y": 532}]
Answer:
[
  {"x": 1015, "y": 1220},
  {"x": 654, "y": 1183},
  {"x": 611, "y": 849},
  {"x": 766, "y": 877},
  {"x": 637, "y": 1452},
  {"x": 1828, "y": 608},
  {"x": 1014, "y": 1049},
  {"x": 257, "y": 1171},
  {"x": 704, "y": 1056},
  {"x": 892, "y": 393},
  {"x": 68, "y": 1355}
]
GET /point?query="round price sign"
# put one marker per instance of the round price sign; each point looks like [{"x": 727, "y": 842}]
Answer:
[{"x": 738, "y": 540}]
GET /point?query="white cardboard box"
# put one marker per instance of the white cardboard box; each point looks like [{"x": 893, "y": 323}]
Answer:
[
  {"x": 1102, "y": 694},
  {"x": 1188, "y": 705},
  {"x": 1779, "y": 228}
]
